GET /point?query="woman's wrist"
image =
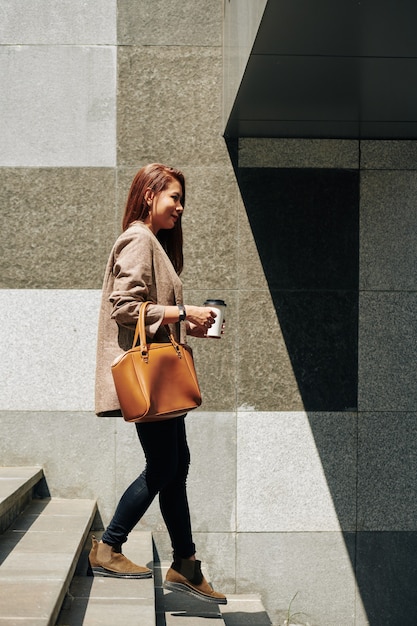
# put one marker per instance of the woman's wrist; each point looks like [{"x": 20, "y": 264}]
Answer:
[{"x": 182, "y": 313}]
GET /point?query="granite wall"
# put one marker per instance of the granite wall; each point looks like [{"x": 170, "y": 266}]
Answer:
[{"x": 303, "y": 455}]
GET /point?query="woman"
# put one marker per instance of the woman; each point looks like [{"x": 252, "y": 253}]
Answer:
[{"x": 144, "y": 265}]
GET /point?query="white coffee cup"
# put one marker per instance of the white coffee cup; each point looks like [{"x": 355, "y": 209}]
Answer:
[{"x": 219, "y": 307}]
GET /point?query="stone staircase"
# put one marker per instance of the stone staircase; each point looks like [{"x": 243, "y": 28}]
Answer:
[{"x": 44, "y": 574}]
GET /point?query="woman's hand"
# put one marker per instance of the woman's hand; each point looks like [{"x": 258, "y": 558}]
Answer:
[{"x": 199, "y": 320}]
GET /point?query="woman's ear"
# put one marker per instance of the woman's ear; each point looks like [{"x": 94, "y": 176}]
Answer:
[{"x": 149, "y": 196}]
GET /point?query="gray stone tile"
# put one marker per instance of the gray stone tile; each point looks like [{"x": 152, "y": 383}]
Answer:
[
  {"x": 293, "y": 153},
  {"x": 312, "y": 569},
  {"x": 388, "y": 223},
  {"x": 49, "y": 359},
  {"x": 58, "y": 106},
  {"x": 174, "y": 23},
  {"x": 179, "y": 110},
  {"x": 296, "y": 472},
  {"x": 395, "y": 155},
  {"x": 66, "y": 221},
  {"x": 387, "y": 466},
  {"x": 69, "y": 22},
  {"x": 212, "y": 478},
  {"x": 76, "y": 451},
  {"x": 387, "y": 352}
]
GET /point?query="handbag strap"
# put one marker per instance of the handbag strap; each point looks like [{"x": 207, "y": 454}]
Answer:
[{"x": 140, "y": 333}]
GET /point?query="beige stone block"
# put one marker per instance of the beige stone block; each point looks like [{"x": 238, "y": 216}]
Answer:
[
  {"x": 211, "y": 237},
  {"x": 265, "y": 377},
  {"x": 173, "y": 23},
  {"x": 216, "y": 359},
  {"x": 58, "y": 227},
  {"x": 169, "y": 105}
]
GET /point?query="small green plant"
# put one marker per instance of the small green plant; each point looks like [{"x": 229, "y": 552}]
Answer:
[{"x": 292, "y": 616}]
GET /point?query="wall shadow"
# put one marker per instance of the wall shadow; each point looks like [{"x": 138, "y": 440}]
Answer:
[{"x": 305, "y": 223}]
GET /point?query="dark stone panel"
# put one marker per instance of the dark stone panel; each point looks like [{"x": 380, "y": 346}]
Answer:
[
  {"x": 386, "y": 571},
  {"x": 320, "y": 333},
  {"x": 305, "y": 224}
]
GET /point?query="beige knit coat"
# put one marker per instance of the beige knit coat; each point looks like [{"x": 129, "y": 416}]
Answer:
[{"x": 138, "y": 269}]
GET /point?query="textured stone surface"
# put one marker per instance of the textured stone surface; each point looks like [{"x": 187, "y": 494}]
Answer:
[
  {"x": 388, "y": 223},
  {"x": 386, "y": 574},
  {"x": 216, "y": 359},
  {"x": 387, "y": 466},
  {"x": 250, "y": 271},
  {"x": 211, "y": 238},
  {"x": 396, "y": 155},
  {"x": 76, "y": 451},
  {"x": 316, "y": 568},
  {"x": 58, "y": 106},
  {"x": 174, "y": 23},
  {"x": 63, "y": 22},
  {"x": 169, "y": 105},
  {"x": 58, "y": 227},
  {"x": 387, "y": 352},
  {"x": 298, "y": 153},
  {"x": 265, "y": 376},
  {"x": 48, "y": 350},
  {"x": 305, "y": 225},
  {"x": 296, "y": 472}
]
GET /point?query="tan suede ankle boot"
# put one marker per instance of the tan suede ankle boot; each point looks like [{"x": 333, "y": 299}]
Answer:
[
  {"x": 185, "y": 575},
  {"x": 106, "y": 561}
]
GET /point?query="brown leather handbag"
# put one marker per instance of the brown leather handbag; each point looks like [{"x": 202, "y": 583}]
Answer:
[{"x": 155, "y": 381}]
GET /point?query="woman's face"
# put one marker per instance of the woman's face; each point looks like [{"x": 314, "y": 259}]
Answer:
[{"x": 165, "y": 207}]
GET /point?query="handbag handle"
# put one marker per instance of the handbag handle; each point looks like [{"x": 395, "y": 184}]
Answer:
[{"x": 140, "y": 333}]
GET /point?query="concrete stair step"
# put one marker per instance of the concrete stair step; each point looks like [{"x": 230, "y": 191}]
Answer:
[
  {"x": 244, "y": 610},
  {"x": 16, "y": 491},
  {"x": 38, "y": 557},
  {"x": 102, "y": 601}
]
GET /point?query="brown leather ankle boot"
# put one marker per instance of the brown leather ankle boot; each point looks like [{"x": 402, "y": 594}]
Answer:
[
  {"x": 185, "y": 575},
  {"x": 106, "y": 561}
]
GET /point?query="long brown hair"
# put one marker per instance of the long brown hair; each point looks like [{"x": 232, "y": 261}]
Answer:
[{"x": 156, "y": 177}]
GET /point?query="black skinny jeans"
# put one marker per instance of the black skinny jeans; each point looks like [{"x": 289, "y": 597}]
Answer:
[{"x": 167, "y": 461}]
